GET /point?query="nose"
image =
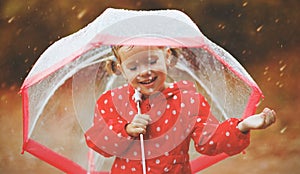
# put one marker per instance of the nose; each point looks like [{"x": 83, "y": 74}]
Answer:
[{"x": 145, "y": 72}]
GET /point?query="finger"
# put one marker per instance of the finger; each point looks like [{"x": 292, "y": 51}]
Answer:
[
  {"x": 141, "y": 121},
  {"x": 146, "y": 117},
  {"x": 138, "y": 125},
  {"x": 266, "y": 110},
  {"x": 269, "y": 119},
  {"x": 140, "y": 130},
  {"x": 274, "y": 116},
  {"x": 143, "y": 116}
]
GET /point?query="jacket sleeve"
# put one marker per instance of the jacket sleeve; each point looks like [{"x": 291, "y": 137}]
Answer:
[
  {"x": 212, "y": 138},
  {"x": 107, "y": 135}
]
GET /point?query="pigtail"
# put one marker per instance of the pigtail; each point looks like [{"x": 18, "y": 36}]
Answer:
[
  {"x": 112, "y": 62},
  {"x": 173, "y": 59},
  {"x": 111, "y": 67}
]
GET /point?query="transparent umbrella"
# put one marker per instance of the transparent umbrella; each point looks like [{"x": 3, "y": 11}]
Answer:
[{"x": 60, "y": 92}]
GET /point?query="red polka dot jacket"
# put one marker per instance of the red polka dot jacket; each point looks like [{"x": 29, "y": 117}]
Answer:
[{"x": 179, "y": 114}]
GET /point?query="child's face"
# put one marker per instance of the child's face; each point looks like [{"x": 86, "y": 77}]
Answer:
[{"x": 144, "y": 67}]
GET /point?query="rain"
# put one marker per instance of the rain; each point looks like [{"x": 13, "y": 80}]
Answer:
[{"x": 262, "y": 35}]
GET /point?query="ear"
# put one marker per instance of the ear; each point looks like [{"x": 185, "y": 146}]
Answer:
[
  {"x": 112, "y": 65},
  {"x": 120, "y": 71},
  {"x": 168, "y": 53},
  {"x": 170, "y": 58},
  {"x": 119, "y": 68}
]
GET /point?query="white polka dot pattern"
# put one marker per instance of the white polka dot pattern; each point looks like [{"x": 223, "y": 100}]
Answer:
[{"x": 180, "y": 116}]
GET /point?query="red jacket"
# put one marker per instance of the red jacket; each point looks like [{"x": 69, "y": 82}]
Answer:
[{"x": 178, "y": 115}]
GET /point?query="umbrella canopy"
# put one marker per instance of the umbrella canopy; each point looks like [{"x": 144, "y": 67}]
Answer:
[{"x": 60, "y": 92}]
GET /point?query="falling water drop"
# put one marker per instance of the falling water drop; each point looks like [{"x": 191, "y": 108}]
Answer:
[
  {"x": 81, "y": 14},
  {"x": 11, "y": 20},
  {"x": 245, "y": 4},
  {"x": 259, "y": 28},
  {"x": 282, "y": 68}
]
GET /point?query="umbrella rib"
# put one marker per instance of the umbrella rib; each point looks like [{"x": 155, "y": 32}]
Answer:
[
  {"x": 84, "y": 64},
  {"x": 180, "y": 66}
]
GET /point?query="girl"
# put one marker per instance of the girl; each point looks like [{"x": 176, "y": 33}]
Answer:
[{"x": 172, "y": 114}]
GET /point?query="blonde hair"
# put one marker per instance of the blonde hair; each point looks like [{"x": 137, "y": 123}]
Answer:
[{"x": 111, "y": 65}]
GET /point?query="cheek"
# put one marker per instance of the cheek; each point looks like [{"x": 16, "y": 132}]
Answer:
[
  {"x": 162, "y": 75},
  {"x": 129, "y": 76},
  {"x": 133, "y": 82}
]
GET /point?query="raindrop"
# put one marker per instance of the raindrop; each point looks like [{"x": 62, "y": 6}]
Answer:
[
  {"x": 281, "y": 46},
  {"x": 280, "y": 85},
  {"x": 266, "y": 70},
  {"x": 81, "y": 14},
  {"x": 245, "y": 4},
  {"x": 281, "y": 74},
  {"x": 282, "y": 68},
  {"x": 280, "y": 62},
  {"x": 222, "y": 26},
  {"x": 11, "y": 20},
  {"x": 259, "y": 28},
  {"x": 283, "y": 130},
  {"x": 19, "y": 31}
]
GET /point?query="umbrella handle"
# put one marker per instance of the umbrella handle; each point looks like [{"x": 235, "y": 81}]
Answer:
[
  {"x": 143, "y": 153},
  {"x": 142, "y": 142}
]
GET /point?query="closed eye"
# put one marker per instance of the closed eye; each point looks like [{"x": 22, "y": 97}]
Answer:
[
  {"x": 153, "y": 60},
  {"x": 133, "y": 68}
]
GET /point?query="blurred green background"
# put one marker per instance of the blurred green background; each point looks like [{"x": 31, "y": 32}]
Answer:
[{"x": 262, "y": 35}]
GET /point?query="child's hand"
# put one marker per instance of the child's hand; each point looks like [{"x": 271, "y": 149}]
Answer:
[
  {"x": 138, "y": 125},
  {"x": 258, "y": 121}
]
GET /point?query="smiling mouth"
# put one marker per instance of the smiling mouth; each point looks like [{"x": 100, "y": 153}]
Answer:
[{"x": 148, "y": 82}]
